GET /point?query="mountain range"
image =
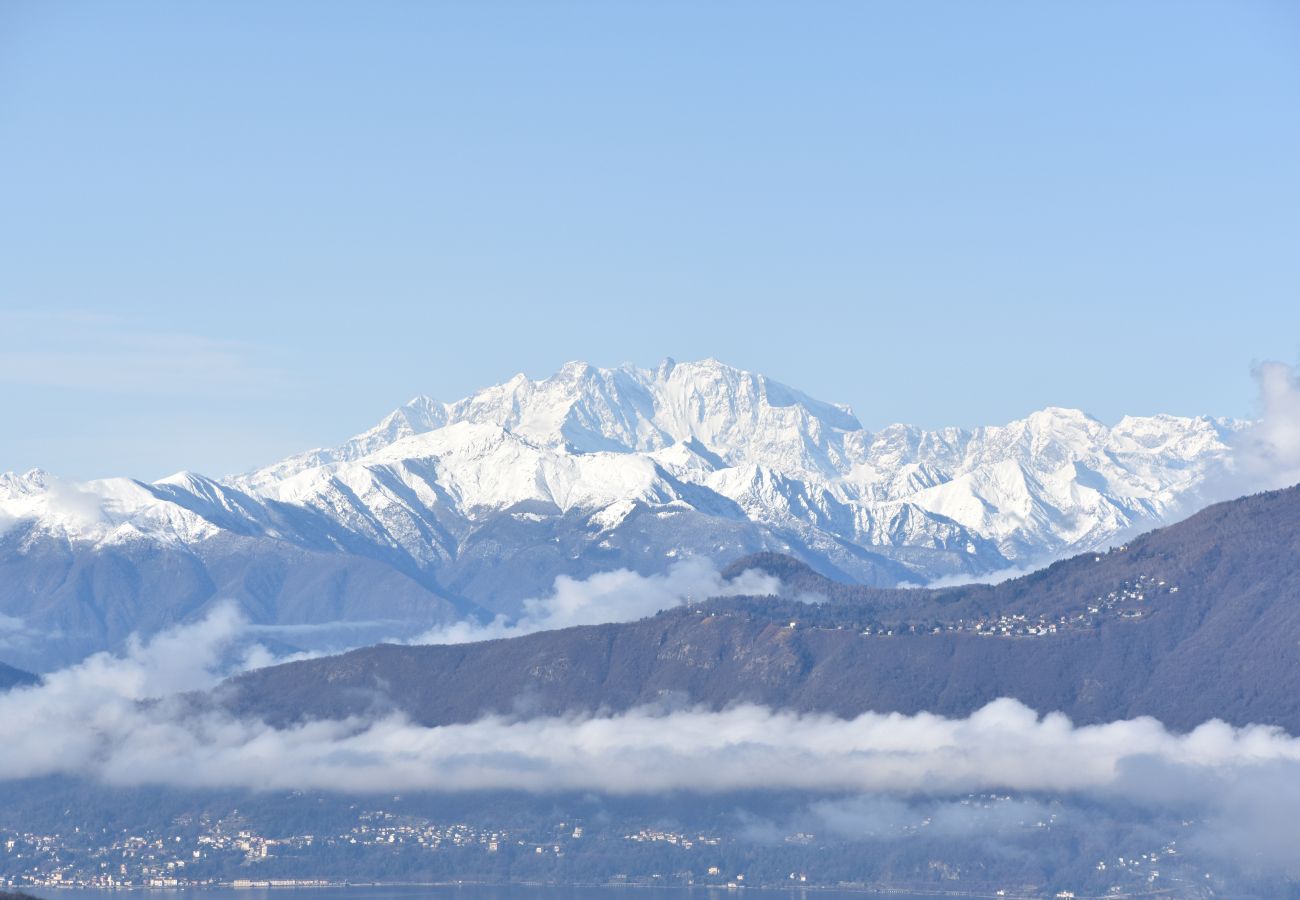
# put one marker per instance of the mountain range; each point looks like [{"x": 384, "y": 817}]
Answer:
[{"x": 445, "y": 511}]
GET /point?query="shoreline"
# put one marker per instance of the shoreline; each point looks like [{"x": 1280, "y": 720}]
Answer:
[{"x": 879, "y": 890}]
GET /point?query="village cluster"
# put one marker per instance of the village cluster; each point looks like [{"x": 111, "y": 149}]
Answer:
[
  {"x": 686, "y": 842},
  {"x": 173, "y": 858},
  {"x": 1125, "y": 602},
  {"x": 1143, "y": 865},
  {"x": 230, "y": 852},
  {"x": 155, "y": 859},
  {"x": 1128, "y": 601}
]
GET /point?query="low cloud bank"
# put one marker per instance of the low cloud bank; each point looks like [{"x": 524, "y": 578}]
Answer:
[
  {"x": 1004, "y": 746},
  {"x": 13, "y": 631},
  {"x": 618, "y": 596},
  {"x": 876, "y": 816},
  {"x": 995, "y": 577},
  {"x": 123, "y": 720}
]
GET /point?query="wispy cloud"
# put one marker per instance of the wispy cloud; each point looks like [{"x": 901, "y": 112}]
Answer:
[
  {"x": 1264, "y": 453},
  {"x": 14, "y": 632},
  {"x": 995, "y": 577},
  {"x": 618, "y": 596},
  {"x": 1268, "y": 453},
  {"x": 102, "y": 353}
]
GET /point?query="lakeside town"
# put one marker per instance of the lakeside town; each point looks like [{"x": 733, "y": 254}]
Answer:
[{"x": 381, "y": 846}]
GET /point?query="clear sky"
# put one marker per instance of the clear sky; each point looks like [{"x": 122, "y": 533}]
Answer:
[{"x": 230, "y": 231}]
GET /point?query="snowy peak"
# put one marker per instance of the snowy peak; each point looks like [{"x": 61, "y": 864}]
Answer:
[
  {"x": 14, "y": 485},
  {"x": 419, "y": 415},
  {"x": 103, "y": 510},
  {"x": 583, "y": 408},
  {"x": 755, "y": 462},
  {"x": 1053, "y": 479},
  {"x": 748, "y": 418},
  {"x": 738, "y": 415}
]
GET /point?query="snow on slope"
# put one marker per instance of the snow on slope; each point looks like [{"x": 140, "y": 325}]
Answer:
[
  {"x": 593, "y": 446},
  {"x": 101, "y": 511},
  {"x": 1056, "y": 480}
]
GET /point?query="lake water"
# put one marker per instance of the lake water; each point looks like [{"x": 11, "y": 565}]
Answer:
[{"x": 466, "y": 892}]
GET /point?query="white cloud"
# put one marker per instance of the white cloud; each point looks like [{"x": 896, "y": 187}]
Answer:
[
  {"x": 1267, "y": 455},
  {"x": 121, "y": 720},
  {"x": 68, "y": 501},
  {"x": 14, "y": 632},
  {"x": 995, "y": 577},
  {"x": 618, "y": 596},
  {"x": 883, "y": 816},
  {"x": 91, "y": 718},
  {"x": 47, "y": 496}
]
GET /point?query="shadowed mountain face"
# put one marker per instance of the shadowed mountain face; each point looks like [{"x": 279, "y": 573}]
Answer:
[
  {"x": 11, "y": 677},
  {"x": 1196, "y": 621}
]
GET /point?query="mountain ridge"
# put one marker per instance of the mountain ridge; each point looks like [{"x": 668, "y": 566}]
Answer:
[
  {"x": 1186, "y": 623},
  {"x": 466, "y": 508}
]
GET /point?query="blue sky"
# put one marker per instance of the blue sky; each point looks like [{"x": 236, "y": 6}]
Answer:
[{"x": 230, "y": 231}]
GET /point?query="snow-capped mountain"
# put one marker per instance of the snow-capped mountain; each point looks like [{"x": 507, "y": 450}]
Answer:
[
  {"x": 605, "y": 440},
  {"x": 443, "y": 509}
]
